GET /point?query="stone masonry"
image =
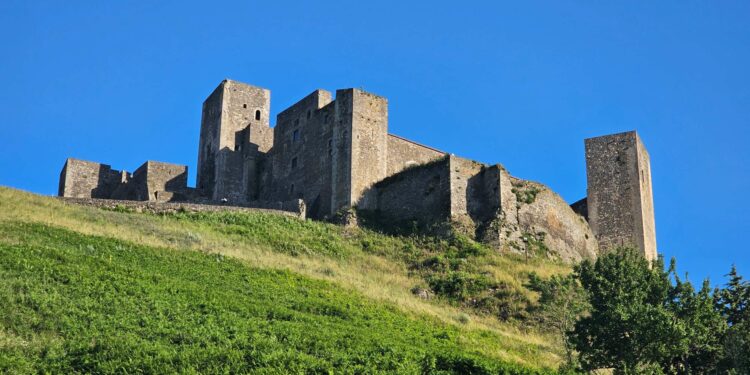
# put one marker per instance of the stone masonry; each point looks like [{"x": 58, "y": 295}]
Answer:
[
  {"x": 619, "y": 204},
  {"x": 330, "y": 153}
]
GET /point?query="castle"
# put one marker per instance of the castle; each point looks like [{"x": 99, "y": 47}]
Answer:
[{"x": 327, "y": 155}]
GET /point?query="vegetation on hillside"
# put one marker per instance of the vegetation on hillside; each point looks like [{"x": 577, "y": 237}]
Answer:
[
  {"x": 446, "y": 329},
  {"x": 76, "y": 303},
  {"x": 89, "y": 290}
]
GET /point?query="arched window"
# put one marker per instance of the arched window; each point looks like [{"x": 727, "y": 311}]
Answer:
[{"x": 257, "y": 115}]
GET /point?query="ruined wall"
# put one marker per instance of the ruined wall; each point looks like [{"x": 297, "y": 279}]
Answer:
[
  {"x": 157, "y": 181},
  {"x": 467, "y": 193},
  {"x": 619, "y": 201},
  {"x": 403, "y": 153},
  {"x": 420, "y": 194},
  {"x": 86, "y": 179}
]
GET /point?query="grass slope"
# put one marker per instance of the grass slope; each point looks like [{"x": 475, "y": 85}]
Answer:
[{"x": 91, "y": 290}]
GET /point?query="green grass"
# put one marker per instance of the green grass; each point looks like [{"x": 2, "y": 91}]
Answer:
[
  {"x": 199, "y": 291},
  {"x": 76, "y": 303}
]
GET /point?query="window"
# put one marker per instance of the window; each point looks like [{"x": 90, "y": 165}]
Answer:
[
  {"x": 294, "y": 162},
  {"x": 291, "y": 189},
  {"x": 244, "y": 106},
  {"x": 257, "y": 115},
  {"x": 309, "y": 113},
  {"x": 295, "y": 135},
  {"x": 296, "y": 122},
  {"x": 330, "y": 147}
]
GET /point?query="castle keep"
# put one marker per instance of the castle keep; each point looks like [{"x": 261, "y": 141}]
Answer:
[{"x": 328, "y": 154}]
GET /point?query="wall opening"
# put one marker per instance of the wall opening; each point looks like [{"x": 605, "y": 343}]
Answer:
[
  {"x": 295, "y": 135},
  {"x": 294, "y": 162},
  {"x": 309, "y": 113},
  {"x": 257, "y": 115},
  {"x": 244, "y": 106}
]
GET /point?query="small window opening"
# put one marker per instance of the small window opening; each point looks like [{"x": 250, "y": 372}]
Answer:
[
  {"x": 294, "y": 163},
  {"x": 296, "y": 122},
  {"x": 330, "y": 147},
  {"x": 244, "y": 106},
  {"x": 309, "y": 113},
  {"x": 257, "y": 115},
  {"x": 237, "y": 147},
  {"x": 295, "y": 135},
  {"x": 291, "y": 189}
]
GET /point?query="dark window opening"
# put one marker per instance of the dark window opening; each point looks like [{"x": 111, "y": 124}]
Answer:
[
  {"x": 330, "y": 147},
  {"x": 309, "y": 113},
  {"x": 291, "y": 189},
  {"x": 257, "y": 115},
  {"x": 296, "y": 122},
  {"x": 237, "y": 147},
  {"x": 294, "y": 162},
  {"x": 295, "y": 135},
  {"x": 244, "y": 106}
]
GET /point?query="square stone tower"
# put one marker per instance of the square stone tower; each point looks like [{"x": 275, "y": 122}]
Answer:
[
  {"x": 234, "y": 127},
  {"x": 360, "y": 143},
  {"x": 620, "y": 202}
]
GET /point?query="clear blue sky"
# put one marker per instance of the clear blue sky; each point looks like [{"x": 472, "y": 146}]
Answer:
[{"x": 520, "y": 83}]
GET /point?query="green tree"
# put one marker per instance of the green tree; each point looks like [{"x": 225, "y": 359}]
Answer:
[
  {"x": 734, "y": 304},
  {"x": 645, "y": 319},
  {"x": 733, "y": 300},
  {"x": 701, "y": 348},
  {"x": 737, "y": 349}
]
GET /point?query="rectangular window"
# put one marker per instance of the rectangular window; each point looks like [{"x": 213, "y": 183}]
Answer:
[
  {"x": 295, "y": 135},
  {"x": 294, "y": 162}
]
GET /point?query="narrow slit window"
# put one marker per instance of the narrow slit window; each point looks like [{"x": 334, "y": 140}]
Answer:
[
  {"x": 244, "y": 106},
  {"x": 295, "y": 135},
  {"x": 294, "y": 163},
  {"x": 257, "y": 115}
]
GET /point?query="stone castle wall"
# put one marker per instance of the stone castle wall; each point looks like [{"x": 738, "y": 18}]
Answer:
[
  {"x": 418, "y": 194},
  {"x": 86, "y": 179},
  {"x": 403, "y": 153}
]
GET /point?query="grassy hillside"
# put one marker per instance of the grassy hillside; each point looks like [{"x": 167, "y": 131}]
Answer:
[{"x": 92, "y": 290}]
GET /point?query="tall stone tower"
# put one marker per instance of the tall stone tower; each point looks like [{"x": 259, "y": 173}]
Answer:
[
  {"x": 360, "y": 140},
  {"x": 620, "y": 202},
  {"x": 234, "y": 128}
]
